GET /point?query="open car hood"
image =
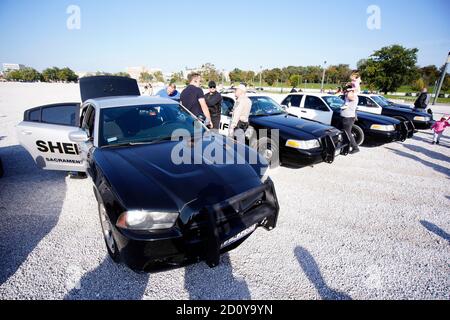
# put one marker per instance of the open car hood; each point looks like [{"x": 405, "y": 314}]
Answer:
[{"x": 107, "y": 86}]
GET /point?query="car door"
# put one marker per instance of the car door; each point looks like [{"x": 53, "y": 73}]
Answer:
[
  {"x": 292, "y": 104},
  {"x": 44, "y": 133},
  {"x": 225, "y": 117},
  {"x": 366, "y": 104},
  {"x": 314, "y": 108}
]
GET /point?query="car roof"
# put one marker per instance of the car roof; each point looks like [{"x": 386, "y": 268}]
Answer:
[{"x": 126, "y": 101}]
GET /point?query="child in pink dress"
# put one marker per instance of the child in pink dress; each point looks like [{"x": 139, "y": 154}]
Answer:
[{"x": 439, "y": 128}]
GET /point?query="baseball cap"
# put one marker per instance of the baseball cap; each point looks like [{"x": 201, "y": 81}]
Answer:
[{"x": 212, "y": 84}]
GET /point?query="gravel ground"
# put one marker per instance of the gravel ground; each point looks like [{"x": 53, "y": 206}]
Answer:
[{"x": 370, "y": 226}]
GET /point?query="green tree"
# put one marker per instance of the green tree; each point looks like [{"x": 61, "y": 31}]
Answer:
[
  {"x": 389, "y": 68},
  {"x": 122, "y": 74},
  {"x": 177, "y": 77},
  {"x": 158, "y": 76},
  {"x": 237, "y": 75},
  {"x": 295, "y": 80},
  {"x": 430, "y": 74},
  {"x": 30, "y": 75},
  {"x": 418, "y": 85},
  {"x": 50, "y": 74},
  {"x": 210, "y": 73},
  {"x": 14, "y": 75},
  {"x": 67, "y": 75},
  {"x": 145, "y": 77}
]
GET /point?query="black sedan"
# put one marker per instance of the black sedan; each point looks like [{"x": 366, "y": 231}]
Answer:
[
  {"x": 169, "y": 192},
  {"x": 377, "y": 104},
  {"x": 298, "y": 142},
  {"x": 327, "y": 108}
]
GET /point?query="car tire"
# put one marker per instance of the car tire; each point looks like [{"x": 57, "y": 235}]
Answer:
[
  {"x": 358, "y": 134},
  {"x": 270, "y": 150},
  {"x": 108, "y": 235}
]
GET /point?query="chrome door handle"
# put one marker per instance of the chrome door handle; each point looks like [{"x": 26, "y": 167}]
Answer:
[{"x": 302, "y": 111}]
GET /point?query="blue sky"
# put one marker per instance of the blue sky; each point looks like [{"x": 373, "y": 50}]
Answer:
[{"x": 246, "y": 34}]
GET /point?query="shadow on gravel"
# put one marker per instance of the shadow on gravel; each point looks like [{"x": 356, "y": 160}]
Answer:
[
  {"x": 110, "y": 281},
  {"x": 430, "y": 140},
  {"x": 436, "y": 167},
  {"x": 204, "y": 283},
  {"x": 312, "y": 271},
  {"x": 436, "y": 230},
  {"x": 429, "y": 153},
  {"x": 31, "y": 200}
]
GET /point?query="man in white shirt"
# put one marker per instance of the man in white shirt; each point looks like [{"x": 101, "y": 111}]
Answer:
[{"x": 241, "y": 111}]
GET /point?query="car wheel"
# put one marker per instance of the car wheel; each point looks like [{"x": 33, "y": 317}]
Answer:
[
  {"x": 358, "y": 134},
  {"x": 270, "y": 151},
  {"x": 108, "y": 235}
]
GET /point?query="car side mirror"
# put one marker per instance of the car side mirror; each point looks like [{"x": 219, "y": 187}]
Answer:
[
  {"x": 285, "y": 107},
  {"x": 78, "y": 136}
]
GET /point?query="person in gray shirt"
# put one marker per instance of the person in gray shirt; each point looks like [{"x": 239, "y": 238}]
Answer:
[{"x": 348, "y": 116}]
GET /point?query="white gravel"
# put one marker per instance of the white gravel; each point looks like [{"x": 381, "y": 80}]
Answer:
[{"x": 370, "y": 226}]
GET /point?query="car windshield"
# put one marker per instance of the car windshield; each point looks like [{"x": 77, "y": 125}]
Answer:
[
  {"x": 334, "y": 102},
  {"x": 143, "y": 124},
  {"x": 382, "y": 101},
  {"x": 265, "y": 106}
]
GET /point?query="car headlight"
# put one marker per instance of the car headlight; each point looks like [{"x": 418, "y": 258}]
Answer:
[
  {"x": 147, "y": 220},
  {"x": 303, "y": 144},
  {"x": 380, "y": 127},
  {"x": 424, "y": 119}
]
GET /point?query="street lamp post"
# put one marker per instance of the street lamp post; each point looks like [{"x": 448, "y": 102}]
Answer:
[
  {"x": 260, "y": 76},
  {"x": 441, "y": 81},
  {"x": 323, "y": 76}
]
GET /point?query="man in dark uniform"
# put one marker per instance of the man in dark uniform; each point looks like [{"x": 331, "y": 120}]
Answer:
[
  {"x": 214, "y": 101},
  {"x": 193, "y": 99}
]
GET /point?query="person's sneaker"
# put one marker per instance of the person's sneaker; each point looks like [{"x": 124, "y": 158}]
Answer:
[
  {"x": 437, "y": 142},
  {"x": 356, "y": 150}
]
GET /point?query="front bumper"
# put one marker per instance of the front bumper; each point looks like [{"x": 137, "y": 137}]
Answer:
[
  {"x": 331, "y": 146},
  {"x": 404, "y": 130},
  {"x": 204, "y": 236},
  {"x": 423, "y": 125}
]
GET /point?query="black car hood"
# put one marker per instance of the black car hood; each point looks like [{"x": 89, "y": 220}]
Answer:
[
  {"x": 298, "y": 127},
  {"x": 145, "y": 177},
  {"x": 376, "y": 118},
  {"x": 405, "y": 108}
]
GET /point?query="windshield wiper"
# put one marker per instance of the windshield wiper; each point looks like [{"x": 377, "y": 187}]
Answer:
[{"x": 131, "y": 144}]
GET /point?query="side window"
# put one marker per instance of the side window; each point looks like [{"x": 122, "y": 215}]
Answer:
[
  {"x": 62, "y": 115},
  {"x": 292, "y": 101},
  {"x": 315, "y": 103},
  {"x": 227, "y": 106},
  {"x": 362, "y": 101}
]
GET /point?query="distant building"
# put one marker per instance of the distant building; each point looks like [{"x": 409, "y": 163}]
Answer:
[{"x": 12, "y": 66}]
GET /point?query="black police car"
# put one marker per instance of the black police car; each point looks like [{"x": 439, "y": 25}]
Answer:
[
  {"x": 300, "y": 142},
  {"x": 377, "y": 104},
  {"x": 326, "y": 109},
  {"x": 155, "y": 210}
]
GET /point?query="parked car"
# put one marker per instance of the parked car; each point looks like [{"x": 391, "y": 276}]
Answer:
[
  {"x": 378, "y": 104},
  {"x": 154, "y": 213},
  {"x": 327, "y": 108},
  {"x": 301, "y": 142}
]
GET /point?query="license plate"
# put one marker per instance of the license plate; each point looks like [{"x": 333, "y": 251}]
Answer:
[{"x": 238, "y": 237}]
